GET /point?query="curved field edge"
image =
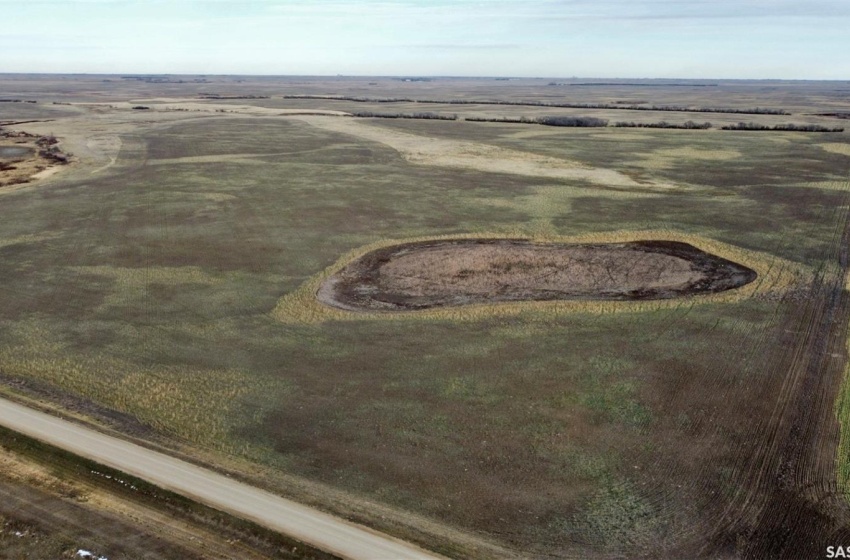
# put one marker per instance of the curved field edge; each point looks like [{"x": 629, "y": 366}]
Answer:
[{"x": 775, "y": 276}]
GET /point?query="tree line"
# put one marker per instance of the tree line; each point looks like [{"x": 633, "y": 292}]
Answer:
[
  {"x": 584, "y": 121},
  {"x": 784, "y": 127},
  {"x": 688, "y": 125},
  {"x": 614, "y": 106},
  {"x": 431, "y": 116}
]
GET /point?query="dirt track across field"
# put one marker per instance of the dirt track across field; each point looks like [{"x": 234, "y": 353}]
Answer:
[{"x": 303, "y": 523}]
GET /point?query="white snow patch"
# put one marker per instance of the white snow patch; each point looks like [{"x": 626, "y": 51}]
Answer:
[{"x": 81, "y": 553}]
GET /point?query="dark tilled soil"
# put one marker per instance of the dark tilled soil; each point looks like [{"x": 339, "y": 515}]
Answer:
[{"x": 465, "y": 271}]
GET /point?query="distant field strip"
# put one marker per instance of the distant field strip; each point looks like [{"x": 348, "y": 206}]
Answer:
[
  {"x": 671, "y": 157},
  {"x": 248, "y": 159},
  {"x": 424, "y": 150},
  {"x": 826, "y": 185},
  {"x": 775, "y": 275},
  {"x": 31, "y": 238},
  {"x": 189, "y": 104},
  {"x": 837, "y": 148}
]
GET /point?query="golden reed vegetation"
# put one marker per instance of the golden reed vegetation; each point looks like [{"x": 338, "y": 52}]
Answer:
[{"x": 192, "y": 403}]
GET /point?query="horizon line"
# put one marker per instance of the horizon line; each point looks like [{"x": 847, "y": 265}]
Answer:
[{"x": 421, "y": 76}]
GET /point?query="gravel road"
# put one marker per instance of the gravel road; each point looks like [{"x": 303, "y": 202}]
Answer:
[{"x": 309, "y": 525}]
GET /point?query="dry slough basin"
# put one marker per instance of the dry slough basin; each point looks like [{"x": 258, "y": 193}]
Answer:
[
  {"x": 23, "y": 159},
  {"x": 457, "y": 272}
]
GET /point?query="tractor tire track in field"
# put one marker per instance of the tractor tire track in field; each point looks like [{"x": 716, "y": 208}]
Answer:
[{"x": 790, "y": 505}]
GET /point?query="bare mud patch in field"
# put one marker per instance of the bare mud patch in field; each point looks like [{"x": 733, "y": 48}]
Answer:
[{"x": 449, "y": 273}]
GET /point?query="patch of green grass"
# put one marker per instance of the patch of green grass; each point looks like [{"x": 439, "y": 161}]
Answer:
[
  {"x": 608, "y": 389},
  {"x": 620, "y": 519}
]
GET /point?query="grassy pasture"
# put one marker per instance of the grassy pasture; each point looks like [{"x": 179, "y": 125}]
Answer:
[{"x": 156, "y": 289}]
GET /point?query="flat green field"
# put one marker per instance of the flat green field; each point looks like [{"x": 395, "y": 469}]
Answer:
[{"x": 698, "y": 427}]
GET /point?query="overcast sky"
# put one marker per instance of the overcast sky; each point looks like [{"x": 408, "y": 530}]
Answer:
[{"x": 798, "y": 39}]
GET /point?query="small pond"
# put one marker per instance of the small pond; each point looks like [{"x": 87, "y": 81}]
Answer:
[{"x": 9, "y": 152}]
